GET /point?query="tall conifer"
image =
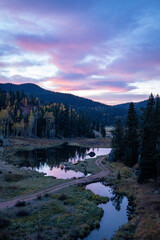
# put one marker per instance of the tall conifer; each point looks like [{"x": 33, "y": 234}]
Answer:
[
  {"x": 117, "y": 140},
  {"x": 157, "y": 137},
  {"x": 131, "y": 137},
  {"x": 146, "y": 162}
]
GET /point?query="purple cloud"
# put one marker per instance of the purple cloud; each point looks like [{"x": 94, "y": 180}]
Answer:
[{"x": 91, "y": 44}]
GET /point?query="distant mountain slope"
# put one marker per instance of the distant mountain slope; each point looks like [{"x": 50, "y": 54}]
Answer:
[
  {"x": 138, "y": 105},
  {"x": 46, "y": 96},
  {"x": 96, "y": 111}
]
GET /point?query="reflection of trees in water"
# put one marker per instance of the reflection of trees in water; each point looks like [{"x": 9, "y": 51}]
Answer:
[
  {"x": 53, "y": 157},
  {"x": 117, "y": 200},
  {"x": 130, "y": 208},
  {"x": 85, "y": 172}
]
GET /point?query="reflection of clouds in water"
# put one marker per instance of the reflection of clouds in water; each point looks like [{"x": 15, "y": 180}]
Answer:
[
  {"x": 59, "y": 172},
  {"x": 98, "y": 152},
  {"x": 50, "y": 160},
  {"x": 112, "y": 218}
]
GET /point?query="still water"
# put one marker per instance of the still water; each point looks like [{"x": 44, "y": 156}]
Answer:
[
  {"x": 55, "y": 161},
  {"x": 116, "y": 212}
]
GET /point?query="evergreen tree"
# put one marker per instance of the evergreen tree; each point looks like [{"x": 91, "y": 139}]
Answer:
[
  {"x": 103, "y": 131},
  {"x": 20, "y": 116},
  {"x": 148, "y": 146},
  {"x": 157, "y": 137},
  {"x": 131, "y": 137},
  {"x": 117, "y": 140},
  {"x": 18, "y": 96},
  {"x": 3, "y": 99},
  {"x": 97, "y": 126}
]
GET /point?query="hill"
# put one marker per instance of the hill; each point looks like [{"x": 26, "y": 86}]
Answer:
[
  {"x": 46, "y": 96},
  {"x": 138, "y": 105},
  {"x": 96, "y": 111}
]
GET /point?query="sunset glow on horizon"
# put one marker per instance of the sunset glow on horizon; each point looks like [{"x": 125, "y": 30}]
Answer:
[{"x": 107, "y": 51}]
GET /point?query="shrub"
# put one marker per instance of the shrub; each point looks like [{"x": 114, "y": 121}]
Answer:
[
  {"x": 39, "y": 197},
  {"x": 11, "y": 177},
  {"x": 66, "y": 202},
  {"x": 38, "y": 236},
  {"x": 20, "y": 204},
  {"x": 84, "y": 230},
  {"x": 5, "y": 235},
  {"x": 97, "y": 224},
  {"x": 62, "y": 197},
  {"x": 118, "y": 175},
  {"x": 46, "y": 195},
  {"x": 4, "y": 222},
  {"x": 22, "y": 213},
  {"x": 74, "y": 234},
  {"x": 126, "y": 172}
]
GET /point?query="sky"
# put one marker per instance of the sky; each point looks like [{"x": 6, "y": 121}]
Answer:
[{"x": 104, "y": 50}]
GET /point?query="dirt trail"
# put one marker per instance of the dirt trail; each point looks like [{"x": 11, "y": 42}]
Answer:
[{"x": 84, "y": 180}]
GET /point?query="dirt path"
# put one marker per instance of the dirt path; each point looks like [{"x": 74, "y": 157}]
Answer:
[
  {"x": 84, "y": 180},
  {"x": 99, "y": 163}
]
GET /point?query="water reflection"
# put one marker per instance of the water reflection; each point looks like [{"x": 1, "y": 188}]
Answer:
[
  {"x": 117, "y": 200},
  {"x": 131, "y": 207},
  {"x": 116, "y": 212},
  {"x": 50, "y": 160},
  {"x": 53, "y": 157}
]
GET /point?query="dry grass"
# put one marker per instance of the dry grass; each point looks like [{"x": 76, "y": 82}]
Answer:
[
  {"x": 87, "y": 166},
  {"x": 68, "y": 214},
  {"x": 15, "y": 182},
  {"x": 31, "y": 143},
  {"x": 145, "y": 222}
]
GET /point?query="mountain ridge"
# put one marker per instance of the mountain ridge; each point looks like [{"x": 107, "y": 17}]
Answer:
[
  {"x": 41, "y": 93},
  {"x": 96, "y": 111},
  {"x": 27, "y": 86}
]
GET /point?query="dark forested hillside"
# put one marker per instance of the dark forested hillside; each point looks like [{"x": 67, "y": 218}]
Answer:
[
  {"x": 138, "y": 105},
  {"x": 140, "y": 143},
  {"x": 47, "y": 97},
  {"x": 95, "y": 111},
  {"x": 21, "y": 115}
]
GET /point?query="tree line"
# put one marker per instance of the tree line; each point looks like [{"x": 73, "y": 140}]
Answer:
[
  {"x": 24, "y": 116},
  {"x": 95, "y": 111},
  {"x": 138, "y": 141}
]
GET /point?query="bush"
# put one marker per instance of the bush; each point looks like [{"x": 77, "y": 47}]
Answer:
[
  {"x": 46, "y": 195},
  {"x": 118, "y": 175},
  {"x": 4, "y": 222},
  {"x": 62, "y": 197},
  {"x": 39, "y": 197},
  {"x": 97, "y": 224},
  {"x": 84, "y": 230},
  {"x": 74, "y": 234},
  {"x": 126, "y": 172},
  {"x": 20, "y": 204},
  {"x": 22, "y": 213},
  {"x": 5, "y": 235},
  {"x": 11, "y": 177}
]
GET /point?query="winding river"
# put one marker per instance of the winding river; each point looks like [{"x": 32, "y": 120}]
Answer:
[
  {"x": 50, "y": 161},
  {"x": 116, "y": 212}
]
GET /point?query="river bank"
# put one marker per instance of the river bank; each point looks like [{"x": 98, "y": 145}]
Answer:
[
  {"x": 15, "y": 181},
  {"x": 66, "y": 209},
  {"x": 144, "y": 221}
]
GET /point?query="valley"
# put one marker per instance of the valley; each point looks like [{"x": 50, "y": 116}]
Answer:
[{"x": 49, "y": 200}]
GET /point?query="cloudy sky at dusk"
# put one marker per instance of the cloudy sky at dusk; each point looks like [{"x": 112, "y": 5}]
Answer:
[{"x": 105, "y": 50}]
